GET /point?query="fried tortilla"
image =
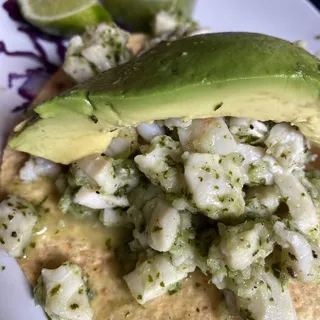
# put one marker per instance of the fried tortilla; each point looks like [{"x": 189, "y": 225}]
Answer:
[{"x": 62, "y": 238}]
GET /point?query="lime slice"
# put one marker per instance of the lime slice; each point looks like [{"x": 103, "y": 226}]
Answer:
[{"x": 63, "y": 17}]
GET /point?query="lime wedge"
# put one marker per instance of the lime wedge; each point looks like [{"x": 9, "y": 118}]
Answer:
[{"x": 63, "y": 17}]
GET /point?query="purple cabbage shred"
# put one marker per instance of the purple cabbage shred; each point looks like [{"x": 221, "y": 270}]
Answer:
[{"x": 35, "y": 77}]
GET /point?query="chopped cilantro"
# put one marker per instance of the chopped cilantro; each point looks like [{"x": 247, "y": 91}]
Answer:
[
  {"x": 175, "y": 289},
  {"x": 276, "y": 268},
  {"x": 74, "y": 306},
  {"x": 55, "y": 290},
  {"x": 255, "y": 253},
  {"x": 156, "y": 229},
  {"x": 218, "y": 106},
  {"x": 292, "y": 256},
  {"x": 291, "y": 273},
  {"x": 94, "y": 119},
  {"x": 108, "y": 244},
  {"x": 314, "y": 254}
]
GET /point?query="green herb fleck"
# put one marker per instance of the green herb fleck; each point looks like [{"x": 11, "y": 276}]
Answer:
[
  {"x": 165, "y": 174},
  {"x": 156, "y": 229},
  {"x": 80, "y": 291},
  {"x": 2, "y": 241},
  {"x": 74, "y": 306},
  {"x": 90, "y": 294},
  {"x": 292, "y": 256},
  {"x": 276, "y": 268},
  {"x": 10, "y": 217},
  {"x": 150, "y": 278},
  {"x": 162, "y": 142},
  {"x": 108, "y": 244},
  {"x": 251, "y": 139},
  {"x": 188, "y": 195},
  {"x": 55, "y": 290},
  {"x": 175, "y": 289},
  {"x": 218, "y": 106},
  {"x": 3, "y": 268},
  {"x": 94, "y": 119},
  {"x": 139, "y": 297},
  {"x": 291, "y": 273},
  {"x": 255, "y": 253},
  {"x": 162, "y": 284},
  {"x": 32, "y": 244}
]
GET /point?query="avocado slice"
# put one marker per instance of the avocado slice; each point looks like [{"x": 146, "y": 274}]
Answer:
[
  {"x": 137, "y": 15},
  {"x": 221, "y": 74}
]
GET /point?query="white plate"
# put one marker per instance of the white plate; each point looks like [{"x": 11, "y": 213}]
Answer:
[{"x": 289, "y": 19}]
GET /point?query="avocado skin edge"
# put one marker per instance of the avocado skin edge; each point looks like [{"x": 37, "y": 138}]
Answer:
[{"x": 221, "y": 74}]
